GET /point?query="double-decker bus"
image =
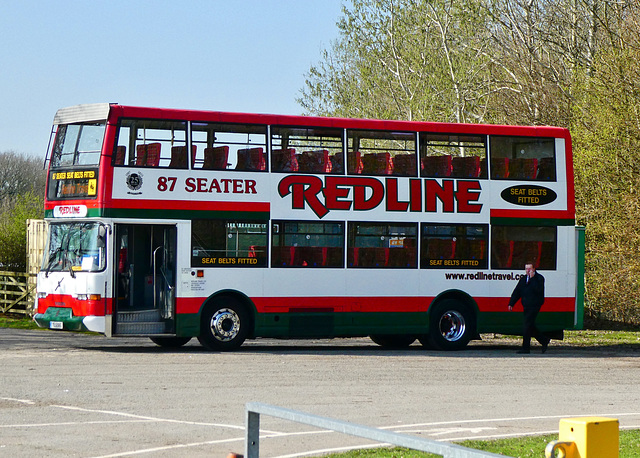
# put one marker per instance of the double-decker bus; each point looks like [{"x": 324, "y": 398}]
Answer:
[{"x": 175, "y": 224}]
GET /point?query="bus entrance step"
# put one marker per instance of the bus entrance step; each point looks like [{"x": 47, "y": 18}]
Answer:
[
  {"x": 139, "y": 316},
  {"x": 140, "y": 322},
  {"x": 140, "y": 328}
]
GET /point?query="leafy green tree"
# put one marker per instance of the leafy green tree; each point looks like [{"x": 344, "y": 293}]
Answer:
[
  {"x": 22, "y": 184},
  {"x": 607, "y": 170},
  {"x": 404, "y": 59},
  {"x": 572, "y": 63},
  {"x": 14, "y": 213}
]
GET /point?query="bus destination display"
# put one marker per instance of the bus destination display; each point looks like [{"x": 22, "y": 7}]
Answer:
[{"x": 73, "y": 184}]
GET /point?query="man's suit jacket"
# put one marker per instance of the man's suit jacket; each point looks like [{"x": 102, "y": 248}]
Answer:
[{"x": 531, "y": 294}]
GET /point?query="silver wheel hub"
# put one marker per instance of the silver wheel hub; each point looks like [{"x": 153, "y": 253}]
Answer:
[
  {"x": 452, "y": 325},
  {"x": 225, "y": 324}
]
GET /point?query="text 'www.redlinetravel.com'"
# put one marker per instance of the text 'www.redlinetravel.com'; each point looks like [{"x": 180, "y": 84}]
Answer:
[{"x": 483, "y": 276}]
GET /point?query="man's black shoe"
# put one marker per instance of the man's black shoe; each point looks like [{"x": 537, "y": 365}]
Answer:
[
  {"x": 545, "y": 346},
  {"x": 522, "y": 351}
]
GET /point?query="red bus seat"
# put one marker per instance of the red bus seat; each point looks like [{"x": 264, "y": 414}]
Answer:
[
  {"x": 148, "y": 155},
  {"x": 373, "y": 257},
  {"x": 502, "y": 254},
  {"x": 500, "y": 167},
  {"x": 354, "y": 162},
  {"x": 437, "y": 166},
  {"x": 546, "y": 169},
  {"x": 474, "y": 249},
  {"x": 284, "y": 160},
  {"x": 179, "y": 156},
  {"x": 251, "y": 159},
  {"x": 315, "y": 162},
  {"x": 404, "y": 164},
  {"x": 377, "y": 164},
  {"x": 283, "y": 256},
  {"x": 402, "y": 257},
  {"x": 215, "y": 158},
  {"x": 121, "y": 152},
  {"x": 466, "y": 167},
  {"x": 308, "y": 256},
  {"x": 523, "y": 168},
  {"x": 525, "y": 251},
  {"x": 441, "y": 248},
  {"x": 337, "y": 164}
]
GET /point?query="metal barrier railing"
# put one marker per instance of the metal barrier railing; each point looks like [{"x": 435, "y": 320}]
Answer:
[{"x": 252, "y": 433}]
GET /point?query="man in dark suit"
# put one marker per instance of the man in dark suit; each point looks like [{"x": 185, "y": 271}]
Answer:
[{"x": 530, "y": 291}]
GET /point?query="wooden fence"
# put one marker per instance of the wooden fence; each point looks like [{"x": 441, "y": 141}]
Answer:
[{"x": 16, "y": 293}]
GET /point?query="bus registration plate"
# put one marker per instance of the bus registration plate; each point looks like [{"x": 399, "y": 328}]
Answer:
[{"x": 56, "y": 325}]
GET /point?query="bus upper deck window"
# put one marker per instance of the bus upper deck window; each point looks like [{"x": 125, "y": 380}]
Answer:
[
  {"x": 523, "y": 158},
  {"x": 78, "y": 144}
]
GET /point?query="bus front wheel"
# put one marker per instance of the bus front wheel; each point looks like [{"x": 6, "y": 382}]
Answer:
[
  {"x": 224, "y": 325},
  {"x": 451, "y": 325}
]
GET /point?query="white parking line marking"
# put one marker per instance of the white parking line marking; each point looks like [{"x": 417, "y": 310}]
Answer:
[
  {"x": 444, "y": 431},
  {"x": 22, "y": 401},
  {"x": 171, "y": 447},
  {"x": 142, "y": 417},
  {"x": 507, "y": 419},
  {"x": 75, "y": 423},
  {"x": 333, "y": 450}
]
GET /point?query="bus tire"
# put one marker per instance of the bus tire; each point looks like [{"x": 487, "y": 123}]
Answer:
[
  {"x": 392, "y": 340},
  {"x": 451, "y": 325},
  {"x": 224, "y": 324},
  {"x": 170, "y": 342}
]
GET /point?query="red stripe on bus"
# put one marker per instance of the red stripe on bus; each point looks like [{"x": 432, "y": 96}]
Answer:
[
  {"x": 309, "y": 304},
  {"x": 78, "y": 307},
  {"x": 370, "y": 304},
  {"x": 551, "y": 304},
  {"x": 149, "y": 204},
  {"x": 542, "y": 214}
]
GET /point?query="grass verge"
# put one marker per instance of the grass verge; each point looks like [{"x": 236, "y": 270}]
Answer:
[
  {"x": 521, "y": 447},
  {"x": 17, "y": 321}
]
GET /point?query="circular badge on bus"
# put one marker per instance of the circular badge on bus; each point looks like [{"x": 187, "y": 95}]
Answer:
[
  {"x": 134, "y": 181},
  {"x": 528, "y": 195}
]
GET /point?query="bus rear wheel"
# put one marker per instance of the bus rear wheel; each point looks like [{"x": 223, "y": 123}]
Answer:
[
  {"x": 392, "y": 340},
  {"x": 224, "y": 325},
  {"x": 451, "y": 325},
  {"x": 170, "y": 342}
]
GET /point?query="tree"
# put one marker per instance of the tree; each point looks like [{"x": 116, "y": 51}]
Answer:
[
  {"x": 22, "y": 185},
  {"x": 571, "y": 63},
  {"x": 19, "y": 175},
  {"x": 14, "y": 213},
  {"x": 607, "y": 168},
  {"x": 404, "y": 59}
]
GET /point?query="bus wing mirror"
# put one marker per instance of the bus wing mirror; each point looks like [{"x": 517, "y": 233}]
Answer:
[{"x": 102, "y": 232}]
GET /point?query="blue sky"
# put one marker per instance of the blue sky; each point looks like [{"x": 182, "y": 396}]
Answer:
[{"x": 228, "y": 55}]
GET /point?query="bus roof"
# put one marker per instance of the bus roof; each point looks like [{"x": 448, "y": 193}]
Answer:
[
  {"x": 104, "y": 111},
  {"x": 82, "y": 113}
]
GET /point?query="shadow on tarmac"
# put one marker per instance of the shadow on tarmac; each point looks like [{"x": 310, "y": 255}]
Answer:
[{"x": 492, "y": 347}]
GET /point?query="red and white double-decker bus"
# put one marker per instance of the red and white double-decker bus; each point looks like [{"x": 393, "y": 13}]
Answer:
[{"x": 175, "y": 224}]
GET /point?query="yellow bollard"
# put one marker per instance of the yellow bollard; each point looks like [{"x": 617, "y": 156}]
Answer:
[{"x": 587, "y": 437}]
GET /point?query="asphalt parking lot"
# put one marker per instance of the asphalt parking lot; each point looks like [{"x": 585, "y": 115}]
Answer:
[{"x": 89, "y": 396}]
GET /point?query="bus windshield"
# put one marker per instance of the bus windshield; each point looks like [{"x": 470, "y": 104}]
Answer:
[
  {"x": 78, "y": 144},
  {"x": 75, "y": 247}
]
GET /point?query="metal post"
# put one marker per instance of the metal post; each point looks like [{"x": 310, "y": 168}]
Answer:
[{"x": 252, "y": 435}]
